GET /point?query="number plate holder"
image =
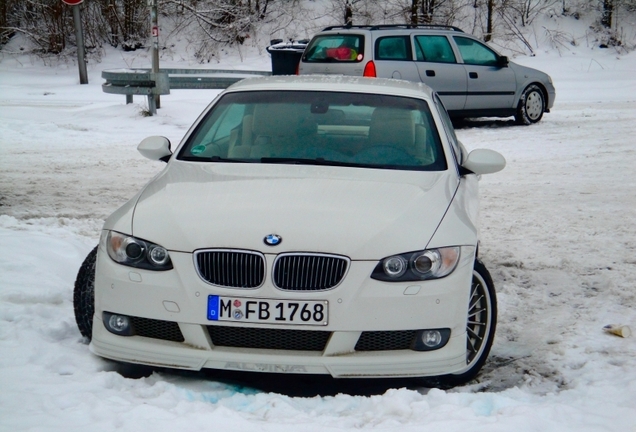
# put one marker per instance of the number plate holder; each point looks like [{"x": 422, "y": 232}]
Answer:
[{"x": 268, "y": 311}]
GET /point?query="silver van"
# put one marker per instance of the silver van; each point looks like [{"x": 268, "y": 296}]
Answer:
[{"x": 472, "y": 79}]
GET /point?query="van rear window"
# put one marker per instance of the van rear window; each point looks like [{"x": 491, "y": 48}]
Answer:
[{"x": 335, "y": 48}]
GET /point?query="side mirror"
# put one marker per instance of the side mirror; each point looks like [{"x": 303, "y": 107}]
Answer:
[
  {"x": 502, "y": 61},
  {"x": 155, "y": 148},
  {"x": 484, "y": 161}
]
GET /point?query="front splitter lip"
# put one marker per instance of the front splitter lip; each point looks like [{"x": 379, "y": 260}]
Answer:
[{"x": 380, "y": 364}]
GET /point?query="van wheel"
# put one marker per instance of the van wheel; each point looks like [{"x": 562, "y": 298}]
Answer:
[
  {"x": 84, "y": 295},
  {"x": 531, "y": 106}
]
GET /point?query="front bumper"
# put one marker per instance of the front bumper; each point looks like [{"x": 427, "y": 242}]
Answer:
[{"x": 358, "y": 305}]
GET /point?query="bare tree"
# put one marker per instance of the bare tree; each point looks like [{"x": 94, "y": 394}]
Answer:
[
  {"x": 606, "y": 14},
  {"x": 526, "y": 10},
  {"x": 490, "y": 11}
]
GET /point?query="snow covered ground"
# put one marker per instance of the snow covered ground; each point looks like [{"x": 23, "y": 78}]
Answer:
[{"x": 558, "y": 235}]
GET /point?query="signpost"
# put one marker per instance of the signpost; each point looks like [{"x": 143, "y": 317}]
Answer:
[
  {"x": 154, "y": 25},
  {"x": 79, "y": 36}
]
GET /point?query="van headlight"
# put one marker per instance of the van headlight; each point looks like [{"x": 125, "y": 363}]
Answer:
[
  {"x": 131, "y": 251},
  {"x": 420, "y": 265}
]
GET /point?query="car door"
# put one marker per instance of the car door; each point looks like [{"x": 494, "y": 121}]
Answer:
[
  {"x": 393, "y": 58},
  {"x": 491, "y": 83},
  {"x": 438, "y": 68}
]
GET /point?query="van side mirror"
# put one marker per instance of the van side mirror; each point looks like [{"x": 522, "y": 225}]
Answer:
[
  {"x": 155, "y": 148},
  {"x": 502, "y": 61}
]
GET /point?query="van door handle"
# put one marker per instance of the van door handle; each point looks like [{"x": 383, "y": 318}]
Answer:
[
  {"x": 473, "y": 75},
  {"x": 430, "y": 73}
]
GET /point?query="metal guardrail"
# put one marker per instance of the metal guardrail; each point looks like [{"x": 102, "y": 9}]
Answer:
[{"x": 132, "y": 82}]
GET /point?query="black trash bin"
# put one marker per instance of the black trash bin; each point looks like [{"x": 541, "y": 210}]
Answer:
[{"x": 285, "y": 56}]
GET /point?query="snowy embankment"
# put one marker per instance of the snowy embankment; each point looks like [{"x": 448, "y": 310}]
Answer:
[{"x": 558, "y": 234}]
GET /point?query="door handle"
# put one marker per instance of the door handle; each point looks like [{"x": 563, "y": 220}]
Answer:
[
  {"x": 473, "y": 75},
  {"x": 430, "y": 73}
]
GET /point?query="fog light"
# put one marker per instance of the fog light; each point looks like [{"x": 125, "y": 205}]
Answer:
[
  {"x": 429, "y": 340},
  {"x": 118, "y": 324}
]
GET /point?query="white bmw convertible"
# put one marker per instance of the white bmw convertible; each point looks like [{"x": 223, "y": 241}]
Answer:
[{"x": 306, "y": 225}]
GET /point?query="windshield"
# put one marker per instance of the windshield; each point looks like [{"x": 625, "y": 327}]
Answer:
[{"x": 318, "y": 128}]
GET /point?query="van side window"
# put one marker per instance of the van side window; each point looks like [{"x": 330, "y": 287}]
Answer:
[
  {"x": 393, "y": 48},
  {"x": 434, "y": 49},
  {"x": 475, "y": 53}
]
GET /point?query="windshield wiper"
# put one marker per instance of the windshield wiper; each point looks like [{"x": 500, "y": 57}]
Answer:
[
  {"x": 215, "y": 159},
  {"x": 303, "y": 161}
]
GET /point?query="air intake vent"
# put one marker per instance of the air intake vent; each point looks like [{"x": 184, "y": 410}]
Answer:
[
  {"x": 385, "y": 340},
  {"x": 260, "y": 338},
  {"x": 157, "y": 329},
  {"x": 309, "y": 272},
  {"x": 231, "y": 268}
]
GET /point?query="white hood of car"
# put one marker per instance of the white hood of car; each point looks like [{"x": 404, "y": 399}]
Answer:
[{"x": 354, "y": 212}]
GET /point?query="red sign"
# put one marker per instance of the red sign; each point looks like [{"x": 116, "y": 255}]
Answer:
[
  {"x": 72, "y": 2},
  {"x": 155, "y": 31}
]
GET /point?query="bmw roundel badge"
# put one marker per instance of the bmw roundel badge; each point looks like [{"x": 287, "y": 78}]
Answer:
[{"x": 273, "y": 240}]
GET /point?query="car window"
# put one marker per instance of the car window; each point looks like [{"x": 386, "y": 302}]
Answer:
[
  {"x": 434, "y": 49},
  {"x": 219, "y": 130},
  {"x": 474, "y": 52},
  {"x": 393, "y": 48},
  {"x": 320, "y": 128},
  {"x": 335, "y": 48},
  {"x": 449, "y": 129}
]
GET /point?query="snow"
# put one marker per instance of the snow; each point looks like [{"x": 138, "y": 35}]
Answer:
[{"x": 558, "y": 235}]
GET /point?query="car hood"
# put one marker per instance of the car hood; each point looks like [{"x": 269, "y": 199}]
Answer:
[{"x": 360, "y": 213}]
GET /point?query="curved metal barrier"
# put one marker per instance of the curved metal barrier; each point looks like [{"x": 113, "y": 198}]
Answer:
[{"x": 132, "y": 82}]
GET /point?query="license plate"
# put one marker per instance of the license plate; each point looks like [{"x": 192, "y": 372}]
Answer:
[{"x": 270, "y": 311}]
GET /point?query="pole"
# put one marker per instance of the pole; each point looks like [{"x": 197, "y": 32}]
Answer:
[
  {"x": 155, "y": 45},
  {"x": 79, "y": 36}
]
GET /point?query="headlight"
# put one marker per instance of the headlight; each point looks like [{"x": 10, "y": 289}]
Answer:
[
  {"x": 420, "y": 265},
  {"x": 134, "y": 252}
]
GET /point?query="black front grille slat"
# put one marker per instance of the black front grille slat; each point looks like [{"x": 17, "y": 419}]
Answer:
[
  {"x": 261, "y": 338},
  {"x": 385, "y": 340},
  {"x": 308, "y": 272},
  {"x": 157, "y": 329},
  {"x": 231, "y": 268}
]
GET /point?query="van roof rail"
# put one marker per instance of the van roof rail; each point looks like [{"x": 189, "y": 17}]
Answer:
[{"x": 389, "y": 26}]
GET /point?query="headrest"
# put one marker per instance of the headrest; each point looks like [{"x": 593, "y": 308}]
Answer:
[
  {"x": 392, "y": 126},
  {"x": 282, "y": 119}
]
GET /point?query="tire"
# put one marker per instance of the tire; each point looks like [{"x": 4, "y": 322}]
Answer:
[
  {"x": 480, "y": 326},
  {"x": 84, "y": 295},
  {"x": 531, "y": 105}
]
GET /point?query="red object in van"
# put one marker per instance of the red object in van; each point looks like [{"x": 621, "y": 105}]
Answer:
[{"x": 342, "y": 53}]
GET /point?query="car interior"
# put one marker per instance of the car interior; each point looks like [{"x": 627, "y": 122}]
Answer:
[{"x": 348, "y": 134}]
